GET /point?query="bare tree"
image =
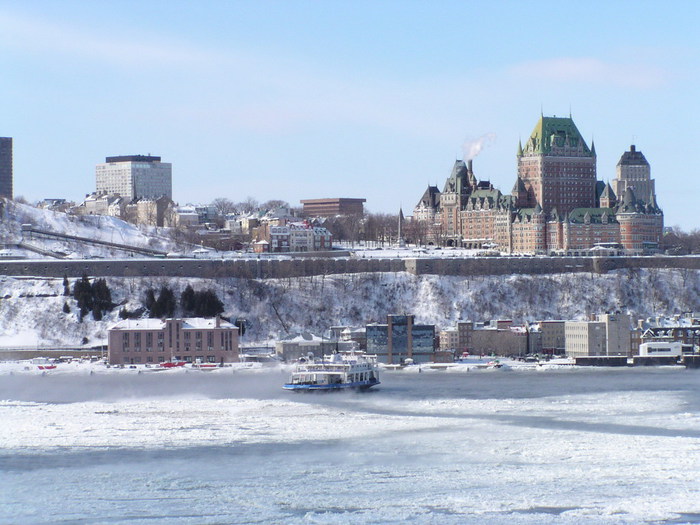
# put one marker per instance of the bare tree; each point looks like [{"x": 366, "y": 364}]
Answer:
[
  {"x": 273, "y": 204},
  {"x": 249, "y": 205},
  {"x": 416, "y": 231},
  {"x": 223, "y": 206}
]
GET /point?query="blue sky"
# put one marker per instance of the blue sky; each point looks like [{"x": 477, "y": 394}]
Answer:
[{"x": 296, "y": 100}]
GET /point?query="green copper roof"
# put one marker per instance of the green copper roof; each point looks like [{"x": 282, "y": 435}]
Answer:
[
  {"x": 554, "y": 136},
  {"x": 578, "y": 215}
]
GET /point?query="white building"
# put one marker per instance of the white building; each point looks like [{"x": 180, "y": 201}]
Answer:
[
  {"x": 585, "y": 338},
  {"x": 299, "y": 237},
  {"x": 608, "y": 335},
  {"x": 659, "y": 348},
  {"x": 135, "y": 177}
]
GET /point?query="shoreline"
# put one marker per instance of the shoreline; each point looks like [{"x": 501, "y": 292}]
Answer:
[{"x": 471, "y": 365}]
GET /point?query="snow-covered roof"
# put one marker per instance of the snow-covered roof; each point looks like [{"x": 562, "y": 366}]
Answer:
[
  {"x": 204, "y": 322},
  {"x": 139, "y": 324},
  {"x": 188, "y": 323},
  {"x": 302, "y": 337}
]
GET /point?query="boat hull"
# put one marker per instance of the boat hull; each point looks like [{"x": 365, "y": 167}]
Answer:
[{"x": 359, "y": 385}]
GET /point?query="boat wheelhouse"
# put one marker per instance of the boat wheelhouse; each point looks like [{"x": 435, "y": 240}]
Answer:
[{"x": 336, "y": 372}]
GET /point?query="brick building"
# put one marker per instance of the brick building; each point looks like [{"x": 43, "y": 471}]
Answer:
[
  {"x": 292, "y": 237},
  {"x": 556, "y": 204},
  {"x": 332, "y": 207},
  {"x": 142, "y": 341}
]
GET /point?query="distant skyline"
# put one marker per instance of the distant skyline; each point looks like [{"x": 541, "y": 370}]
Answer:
[{"x": 303, "y": 100}]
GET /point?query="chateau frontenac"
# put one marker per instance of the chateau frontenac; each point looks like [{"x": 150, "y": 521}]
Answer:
[{"x": 557, "y": 205}]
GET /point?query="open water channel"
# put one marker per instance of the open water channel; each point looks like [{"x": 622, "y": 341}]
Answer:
[{"x": 493, "y": 446}]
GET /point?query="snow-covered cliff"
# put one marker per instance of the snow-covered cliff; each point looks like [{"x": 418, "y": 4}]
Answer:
[{"x": 31, "y": 310}]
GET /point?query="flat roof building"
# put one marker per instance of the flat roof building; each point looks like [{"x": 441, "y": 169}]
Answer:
[
  {"x": 6, "y": 167},
  {"x": 400, "y": 339},
  {"x": 332, "y": 207},
  {"x": 135, "y": 177},
  {"x": 142, "y": 341}
]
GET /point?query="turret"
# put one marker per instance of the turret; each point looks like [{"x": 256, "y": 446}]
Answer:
[{"x": 607, "y": 198}]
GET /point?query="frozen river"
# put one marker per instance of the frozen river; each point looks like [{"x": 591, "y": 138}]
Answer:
[{"x": 512, "y": 447}]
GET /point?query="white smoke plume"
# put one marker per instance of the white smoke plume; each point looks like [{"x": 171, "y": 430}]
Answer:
[{"x": 471, "y": 148}]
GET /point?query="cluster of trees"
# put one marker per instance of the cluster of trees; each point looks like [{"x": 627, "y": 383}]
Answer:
[
  {"x": 200, "y": 304},
  {"x": 92, "y": 297},
  {"x": 164, "y": 305},
  {"x": 203, "y": 303},
  {"x": 225, "y": 206},
  {"x": 371, "y": 227},
  {"x": 678, "y": 242}
]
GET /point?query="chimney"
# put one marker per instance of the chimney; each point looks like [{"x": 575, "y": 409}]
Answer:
[
  {"x": 469, "y": 167},
  {"x": 218, "y": 321},
  {"x": 633, "y": 148}
]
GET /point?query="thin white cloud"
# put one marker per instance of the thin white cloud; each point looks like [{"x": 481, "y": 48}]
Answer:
[
  {"x": 241, "y": 89},
  {"x": 586, "y": 70},
  {"x": 24, "y": 34}
]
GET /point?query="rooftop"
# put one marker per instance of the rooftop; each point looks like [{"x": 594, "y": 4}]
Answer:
[
  {"x": 633, "y": 158},
  {"x": 191, "y": 323},
  {"x": 132, "y": 158},
  {"x": 552, "y": 133}
]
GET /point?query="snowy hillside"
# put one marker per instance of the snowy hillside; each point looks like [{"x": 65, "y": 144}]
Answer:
[
  {"x": 98, "y": 227},
  {"x": 31, "y": 309}
]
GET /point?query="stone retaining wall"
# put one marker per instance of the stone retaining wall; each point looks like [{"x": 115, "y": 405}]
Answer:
[{"x": 265, "y": 268}]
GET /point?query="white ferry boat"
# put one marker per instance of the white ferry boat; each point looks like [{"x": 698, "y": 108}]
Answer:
[{"x": 336, "y": 372}]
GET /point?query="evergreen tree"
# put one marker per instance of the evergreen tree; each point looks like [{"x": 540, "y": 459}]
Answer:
[
  {"x": 102, "y": 297},
  {"x": 187, "y": 299},
  {"x": 150, "y": 299},
  {"x": 66, "y": 308},
  {"x": 124, "y": 313},
  {"x": 82, "y": 292},
  {"x": 83, "y": 312},
  {"x": 207, "y": 304},
  {"x": 167, "y": 301},
  {"x": 165, "y": 305},
  {"x": 96, "y": 312}
]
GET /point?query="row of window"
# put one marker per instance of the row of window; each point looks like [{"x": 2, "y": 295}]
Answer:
[
  {"x": 187, "y": 359},
  {"x": 187, "y": 348}
]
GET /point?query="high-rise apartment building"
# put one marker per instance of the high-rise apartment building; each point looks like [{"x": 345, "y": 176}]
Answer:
[
  {"x": 135, "y": 177},
  {"x": 6, "y": 167}
]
